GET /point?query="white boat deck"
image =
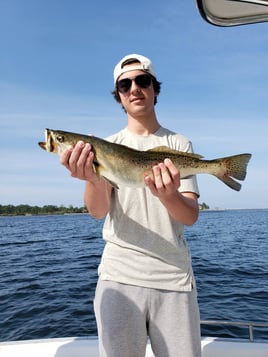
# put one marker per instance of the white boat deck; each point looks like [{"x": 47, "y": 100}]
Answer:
[{"x": 88, "y": 347}]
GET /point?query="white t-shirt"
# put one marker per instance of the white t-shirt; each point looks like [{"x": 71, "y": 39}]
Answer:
[{"x": 144, "y": 244}]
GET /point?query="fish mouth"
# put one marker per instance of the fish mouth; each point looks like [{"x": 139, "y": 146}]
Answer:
[
  {"x": 42, "y": 145},
  {"x": 49, "y": 144}
]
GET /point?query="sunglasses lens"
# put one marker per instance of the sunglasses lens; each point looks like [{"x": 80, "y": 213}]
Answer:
[
  {"x": 143, "y": 81},
  {"x": 124, "y": 85}
]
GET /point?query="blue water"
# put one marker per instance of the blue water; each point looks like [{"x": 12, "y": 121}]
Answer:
[{"x": 48, "y": 272}]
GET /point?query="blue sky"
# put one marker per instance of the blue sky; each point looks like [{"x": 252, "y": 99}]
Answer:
[{"x": 56, "y": 64}]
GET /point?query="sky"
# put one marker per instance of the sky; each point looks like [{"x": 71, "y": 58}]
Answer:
[{"x": 56, "y": 71}]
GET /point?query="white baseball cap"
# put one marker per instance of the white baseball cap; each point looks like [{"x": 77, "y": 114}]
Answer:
[{"x": 145, "y": 64}]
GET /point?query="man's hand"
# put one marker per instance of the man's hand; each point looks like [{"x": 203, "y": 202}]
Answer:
[
  {"x": 165, "y": 181},
  {"x": 164, "y": 185},
  {"x": 79, "y": 161}
]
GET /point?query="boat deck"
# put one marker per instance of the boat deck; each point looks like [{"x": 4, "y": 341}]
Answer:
[{"x": 88, "y": 346}]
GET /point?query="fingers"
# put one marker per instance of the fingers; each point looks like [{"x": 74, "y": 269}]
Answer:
[
  {"x": 64, "y": 157},
  {"x": 162, "y": 176},
  {"x": 79, "y": 161},
  {"x": 78, "y": 157},
  {"x": 165, "y": 180},
  {"x": 173, "y": 172}
]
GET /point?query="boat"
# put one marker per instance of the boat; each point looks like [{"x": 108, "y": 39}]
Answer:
[{"x": 88, "y": 346}]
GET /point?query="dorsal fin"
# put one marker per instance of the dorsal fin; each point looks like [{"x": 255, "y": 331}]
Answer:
[{"x": 174, "y": 152}]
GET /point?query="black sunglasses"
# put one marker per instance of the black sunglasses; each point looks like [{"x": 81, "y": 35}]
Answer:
[{"x": 142, "y": 80}]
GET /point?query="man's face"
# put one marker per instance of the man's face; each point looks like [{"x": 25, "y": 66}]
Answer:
[{"x": 137, "y": 94}]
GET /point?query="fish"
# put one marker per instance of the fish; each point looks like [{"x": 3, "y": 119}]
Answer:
[{"x": 122, "y": 165}]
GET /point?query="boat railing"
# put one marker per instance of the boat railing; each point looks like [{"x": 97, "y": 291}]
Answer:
[{"x": 249, "y": 324}]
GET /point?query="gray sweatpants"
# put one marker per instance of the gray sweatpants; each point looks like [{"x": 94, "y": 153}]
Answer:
[{"x": 126, "y": 315}]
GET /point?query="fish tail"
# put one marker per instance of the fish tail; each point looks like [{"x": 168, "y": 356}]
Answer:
[
  {"x": 230, "y": 182},
  {"x": 235, "y": 167}
]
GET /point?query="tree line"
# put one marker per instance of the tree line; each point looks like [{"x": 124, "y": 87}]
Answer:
[
  {"x": 22, "y": 210},
  {"x": 203, "y": 206}
]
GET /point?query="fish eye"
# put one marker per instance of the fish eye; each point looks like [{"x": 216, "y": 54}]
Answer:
[{"x": 60, "y": 138}]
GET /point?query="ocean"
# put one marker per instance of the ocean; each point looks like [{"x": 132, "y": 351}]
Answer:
[{"x": 48, "y": 272}]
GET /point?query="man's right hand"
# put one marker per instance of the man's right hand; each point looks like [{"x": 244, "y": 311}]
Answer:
[{"x": 79, "y": 161}]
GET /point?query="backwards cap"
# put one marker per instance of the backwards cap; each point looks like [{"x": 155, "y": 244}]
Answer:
[{"x": 145, "y": 64}]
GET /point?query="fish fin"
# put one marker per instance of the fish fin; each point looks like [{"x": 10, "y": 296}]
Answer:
[
  {"x": 98, "y": 169},
  {"x": 186, "y": 177},
  {"x": 230, "y": 182},
  {"x": 236, "y": 167},
  {"x": 174, "y": 152},
  {"x": 159, "y": 149},
  {"x": 113, "y": 184}
]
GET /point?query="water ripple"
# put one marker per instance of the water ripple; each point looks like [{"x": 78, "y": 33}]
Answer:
[{"x": 49, "y": 272}]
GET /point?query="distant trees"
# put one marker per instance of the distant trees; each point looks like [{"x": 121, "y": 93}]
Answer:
[
  {"x": 20, "y": 210},
  {"x": 203, "y": 206}
]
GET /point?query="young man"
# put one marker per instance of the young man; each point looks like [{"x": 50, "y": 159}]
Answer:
[{"x": 146, "y": 285}]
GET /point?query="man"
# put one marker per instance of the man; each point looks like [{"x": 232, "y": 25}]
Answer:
[{"x": 146, "y": 286}]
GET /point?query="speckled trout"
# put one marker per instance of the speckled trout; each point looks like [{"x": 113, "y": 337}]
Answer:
[{"x": 121, "y": 165}]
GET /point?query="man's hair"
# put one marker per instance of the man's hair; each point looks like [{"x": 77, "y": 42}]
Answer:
[{"x": 156, "y": 84}]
